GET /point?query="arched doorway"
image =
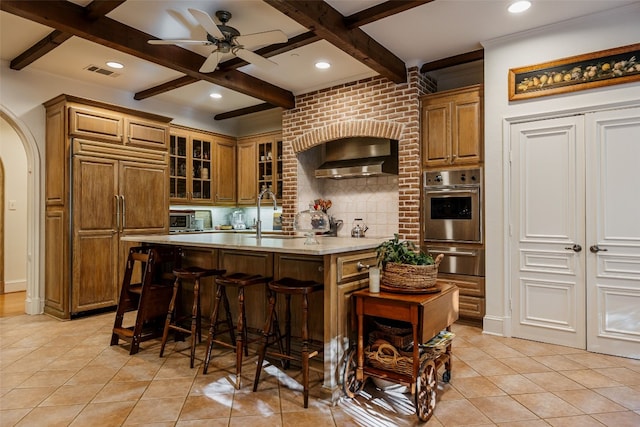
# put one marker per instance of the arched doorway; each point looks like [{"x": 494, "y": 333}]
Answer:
[
  {"x": 1, "y": 227},
  {"x": 34, "y": 302}
]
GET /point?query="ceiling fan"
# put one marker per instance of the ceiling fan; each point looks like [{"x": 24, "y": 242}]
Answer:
[{"x": 227, "y": 39}]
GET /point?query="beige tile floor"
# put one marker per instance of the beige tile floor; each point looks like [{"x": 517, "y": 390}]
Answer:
[{"x": 57, "y": 373}]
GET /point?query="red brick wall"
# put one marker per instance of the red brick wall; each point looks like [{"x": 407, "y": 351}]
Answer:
[{"x": 351, "y": 109}]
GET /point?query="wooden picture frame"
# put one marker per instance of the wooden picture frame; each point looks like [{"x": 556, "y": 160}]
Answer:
[{"x": 597, "y": 69}]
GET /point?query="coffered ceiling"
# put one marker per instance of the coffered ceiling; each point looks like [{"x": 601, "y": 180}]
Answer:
[{"x": 359, "y": 38}]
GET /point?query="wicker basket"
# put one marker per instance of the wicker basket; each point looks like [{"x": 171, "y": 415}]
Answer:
[
  {"x": 387, "y": 357},
  {"x": 398, "y": 341},
  {"x": 409, "y": 276},
  {"x": 399, "y": 334},
  {"x": 382, "y": 355}
]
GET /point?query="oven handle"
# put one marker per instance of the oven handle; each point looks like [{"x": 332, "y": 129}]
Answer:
[
  {"x": 448, "y": 191},
  {"x": 454, "y": 253}
]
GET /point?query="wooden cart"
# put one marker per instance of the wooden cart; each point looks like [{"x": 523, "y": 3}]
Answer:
[{"x": 428, "y": 313}]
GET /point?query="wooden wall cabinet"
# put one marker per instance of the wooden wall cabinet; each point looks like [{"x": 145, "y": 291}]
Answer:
[
  {"x": 247, "y": 172},
  {"x": 107, "y": 125},
  {"x": 224, "y": 167},
  {"x": 452, "y": 127},
  {"x": 259, "y": 166},
  {"x": 101, "y": 183},
  {"x": 269, "y": 157},
  {"x": 201, "y": 167}
]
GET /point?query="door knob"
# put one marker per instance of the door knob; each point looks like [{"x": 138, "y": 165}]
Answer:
[
  {"x": 575, "y": 248},
  {"x": 595, "y": 249}
]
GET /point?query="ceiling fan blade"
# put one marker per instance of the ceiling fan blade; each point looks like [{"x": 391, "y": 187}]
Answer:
[
  {"x": 211, "y": 62},
  {"x": 264, "y": 38},
  {"x": 198, "y": 42},
  {"x": 254, "y": 58},
  {"x": 207, "y": 23}
]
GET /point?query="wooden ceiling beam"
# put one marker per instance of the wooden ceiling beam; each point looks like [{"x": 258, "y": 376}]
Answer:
[
  {"x": 99, "y": 8},
  {"x": 165, "y": 87},
  {"x": 39, "y": 49},
  {"x": 68, "y": 17},
  {"x": 328, "y": 23},
  {"x": 380, "y": 11},
  {"x": 244, "y": 111},
  {"x": 268, "y": 51},
  {"x": 94, "y": 10},
  {"x": 451, "y": 61}
]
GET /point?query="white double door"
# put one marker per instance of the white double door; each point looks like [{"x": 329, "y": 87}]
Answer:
[{"x": 574, "y": 220}]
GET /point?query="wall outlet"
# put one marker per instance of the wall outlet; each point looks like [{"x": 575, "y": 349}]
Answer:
[{"x": 12, "y": 205}]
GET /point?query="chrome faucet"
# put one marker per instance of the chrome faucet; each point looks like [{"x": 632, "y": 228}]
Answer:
[{"x": 264, "y": 191}]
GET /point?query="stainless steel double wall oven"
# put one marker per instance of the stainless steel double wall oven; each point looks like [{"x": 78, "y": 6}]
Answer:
[{"x": 452, "y": 219}]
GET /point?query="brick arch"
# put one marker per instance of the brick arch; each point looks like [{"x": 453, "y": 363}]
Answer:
[{"x": 374, "y": 128}]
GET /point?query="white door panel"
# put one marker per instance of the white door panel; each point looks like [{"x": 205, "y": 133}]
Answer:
[
  {"x": 547, "y": 220},
  {"x": 613, "y": 227}
]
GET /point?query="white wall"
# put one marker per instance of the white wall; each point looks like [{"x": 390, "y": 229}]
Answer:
[
  {"x": 14, "y": 160},
  {"x": 615, "y": 28}
]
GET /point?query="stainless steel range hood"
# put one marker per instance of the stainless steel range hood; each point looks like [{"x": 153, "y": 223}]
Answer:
[{"x": 359, "y": 157}]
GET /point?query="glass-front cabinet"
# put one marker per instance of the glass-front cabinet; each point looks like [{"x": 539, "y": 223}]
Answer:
[
  {"x": 259, "y": 166},
  {"x": 190, "y": 161},
  {"x": 269, "y": 154}
]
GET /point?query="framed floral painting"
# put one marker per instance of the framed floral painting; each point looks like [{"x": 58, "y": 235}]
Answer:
[{"x": 597, "y": 69}]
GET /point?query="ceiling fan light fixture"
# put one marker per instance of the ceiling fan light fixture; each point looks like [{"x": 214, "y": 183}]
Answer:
[
  {"x": 519, "y": 6},
  {"x": 114, "y": 64},
  {"x": 226, "y": 40},
  {"x": 322, "y": 65}
]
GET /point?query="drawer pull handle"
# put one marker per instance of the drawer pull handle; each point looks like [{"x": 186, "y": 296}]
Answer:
[{"x": 360, "y": 266}]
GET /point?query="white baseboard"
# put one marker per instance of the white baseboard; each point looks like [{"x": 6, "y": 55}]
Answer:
[
  {"x": 15, "y": 286},
  {"x": 496, "y": 325}
]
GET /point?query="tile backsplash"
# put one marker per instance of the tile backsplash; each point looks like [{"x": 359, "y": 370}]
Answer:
[
  {"x": 374, "y": 199},
  {"x": 222, "y": 215}
]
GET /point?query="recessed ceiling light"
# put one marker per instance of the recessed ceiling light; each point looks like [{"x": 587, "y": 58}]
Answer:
[
  {"x": 114, "y": 64},
  {"x": 323, "y": 65},
  {"x": 519, "y": 6},
  {"x": 215, "y": 95}
]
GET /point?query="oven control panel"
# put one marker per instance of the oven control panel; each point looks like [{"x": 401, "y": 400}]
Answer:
[{"x": 453, "y": 177}]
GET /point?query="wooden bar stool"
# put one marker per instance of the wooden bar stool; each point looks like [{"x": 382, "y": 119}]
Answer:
[
  {"x": 172, "y": 322},
  {"x": 288, "y": 287},
  {"x": 145, "y": 289},
  {"x": 239, "y": 342}
]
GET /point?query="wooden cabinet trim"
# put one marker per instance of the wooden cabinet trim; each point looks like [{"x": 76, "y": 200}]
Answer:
[
  {"x": 111, "y": 151},
  {"x": 71, "y": 99}
]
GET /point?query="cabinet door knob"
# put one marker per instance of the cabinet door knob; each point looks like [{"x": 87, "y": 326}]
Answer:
[{"x": 360, "y": 266}]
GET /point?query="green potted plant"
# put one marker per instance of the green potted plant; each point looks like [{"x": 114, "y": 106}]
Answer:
[{"x": 404, "y": 266}]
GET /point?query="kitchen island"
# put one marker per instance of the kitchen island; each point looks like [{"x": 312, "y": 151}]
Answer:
[{"x": 338, "y": 262}]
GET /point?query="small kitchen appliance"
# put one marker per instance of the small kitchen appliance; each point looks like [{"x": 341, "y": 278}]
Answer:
[
  {"x": 181, "y": 221},
  {"x": 238, "y": 220}
]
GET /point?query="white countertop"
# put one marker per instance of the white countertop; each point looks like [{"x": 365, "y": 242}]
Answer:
[{"x": 268, "y": 243}]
